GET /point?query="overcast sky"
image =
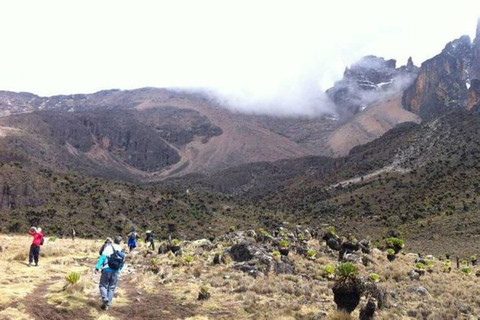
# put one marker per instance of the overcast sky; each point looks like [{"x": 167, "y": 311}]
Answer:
[{"x": 261, "y": 55}]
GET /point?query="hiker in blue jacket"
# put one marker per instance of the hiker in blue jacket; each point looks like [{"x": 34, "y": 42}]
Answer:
[
  {"x": 132, "y": 240},
  {"x": 110, "y": 263}
]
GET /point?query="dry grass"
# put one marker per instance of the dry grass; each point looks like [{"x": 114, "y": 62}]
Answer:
[{"x": 233, "y": 293}]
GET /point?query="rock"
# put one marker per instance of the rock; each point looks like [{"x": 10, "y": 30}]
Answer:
[
  {"x": 366, "y": 261},
  {"x": 365, "y": 246},
  {"x": 203, "y": 296},
  {"x": 202, "y": 243},
  {"x": 368, "y": 312},
  {"x": 377, "y": 251},
  {"x": 319, "y": 315},
  {"x": 251, "y": 233},
  {"x": 250, "y": 270},
  {"x": 413, "y": 275},
  {"x": 227, "y": 277},
  {"x": 284, "y": 266},
  {"x": 351, "y": 257},
  {"x": 242, "y": 252},
  {"x": 473, "y": 96},
  {"x": 419, "y": 290},
  {"x": 420, "y": 260},
  {"x": 441, "y": 83},
  {"x": 163, "y": 249},
  {"x": 245, "y": 251},
  {"x": 333, "y": 244},
  {"x": 364, "y": 82}
]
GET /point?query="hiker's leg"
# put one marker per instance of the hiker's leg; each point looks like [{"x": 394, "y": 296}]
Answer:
[
  {"x": 30, "y": 255},
  {"x": 36, "y": 253},
  {"x": 153, "y": 245},
  {"x": 111, "y": 286},
  {"x": 104, "y": 279}
]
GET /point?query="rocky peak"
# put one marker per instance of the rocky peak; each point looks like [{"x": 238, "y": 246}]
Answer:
[
  {"x": 475, "y": 67},
  {"x": 473, "y": 96},
  {"x": 441, "y": 85},
  {"x": 367, "y": 81}
]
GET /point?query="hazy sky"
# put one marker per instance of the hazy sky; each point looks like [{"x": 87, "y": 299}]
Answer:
[{"x": 261, "y": 55}]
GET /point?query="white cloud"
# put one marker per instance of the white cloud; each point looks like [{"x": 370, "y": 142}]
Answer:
[{"x": 264, "y": 55}]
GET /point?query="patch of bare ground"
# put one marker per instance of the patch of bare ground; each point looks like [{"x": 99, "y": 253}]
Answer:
[
  {"x": 159, "y": 305},
  {"x": 37, "y": 306}
]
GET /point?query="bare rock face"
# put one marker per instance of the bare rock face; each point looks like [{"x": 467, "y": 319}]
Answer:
[
  {"x": 367, "y": 81},
  {"x": 473, "y": 96},
  {"x": 441, "y": 85}
]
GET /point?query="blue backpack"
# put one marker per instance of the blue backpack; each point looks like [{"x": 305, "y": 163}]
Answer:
[{"x": 116, "y": 260}]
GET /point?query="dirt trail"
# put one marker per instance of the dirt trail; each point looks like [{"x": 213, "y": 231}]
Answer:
[
  {"x": 141, "y": 306},
  {"x": 161, "y": 305}
]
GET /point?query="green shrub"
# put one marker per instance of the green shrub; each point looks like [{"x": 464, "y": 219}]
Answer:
[
  {"x": 311, "y": 253},
  {"x": 473, "y": 258},
  {"x": 276, "y": 254},
  {"x": 374, "y": 277},
  {"x": 390, "y": 251},
  {"x": 466, "y": 271},
  {"x": 176, "y": 242},
  {"x": 73, "y": 277},
  {"x": 394, "y": 243},
  {"x": 204, "y": 289},
  {"x": 284, "y": 243},
  {"x": 420, "y": 266},
  {"x": 328, "y": 270},
  {"x": 301, "y": 236},
  {"x": 346, "y": 271},
  {"x": 331, "y": 229},
  {"x": 52, "y": 239},
  {"x": 188, "y": 259}
]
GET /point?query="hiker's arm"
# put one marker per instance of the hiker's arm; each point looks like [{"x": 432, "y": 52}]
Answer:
[{"x": 100, "y": 262}]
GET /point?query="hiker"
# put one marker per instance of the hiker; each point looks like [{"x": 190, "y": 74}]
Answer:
[
  {"x": 110, "y": 263},
  {"x": 107, "y": 243},
  {"x": 35, "y": 246},
  {"x": 132, "y": 240},
  {"x": 150, "y": 238},
  {"x": 73, "y": 234}
]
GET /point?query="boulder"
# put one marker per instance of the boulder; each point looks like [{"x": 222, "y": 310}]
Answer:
[
  {"x": 242, "y": 252},
  {"x": 284, "y": 266},
  {"x": 319, "y": 315},
  {"x": 420, "y": 290},
  {"x": 333, "y": 244},
  {"x": 251, "y": 233},
  {"x": 249, "y": 269},
  {"x": 201, "y": 243},
  {"x": 368, "y": 312}
]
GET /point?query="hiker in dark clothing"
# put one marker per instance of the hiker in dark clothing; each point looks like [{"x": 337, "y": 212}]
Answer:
[
  {"x": 150, "y": 238},
  {"x": 35, "y": 246},
  {"x": 132, "y": 240},
  {"x": 110, "y": 263}
]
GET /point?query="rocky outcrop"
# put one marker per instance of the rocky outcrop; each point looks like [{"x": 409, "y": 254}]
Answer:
[
  {"x": 448, "y": 81},
  {"x": 367, "y": 81},
  {"x": 441, "y": 83},
  {"x": 473, "y": 96}
]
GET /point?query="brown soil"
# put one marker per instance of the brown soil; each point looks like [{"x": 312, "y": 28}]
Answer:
[
  {"x": 155, "y": 306},
  {"x": 161, "y": 305},
  {"x": 36, "y": 305}
]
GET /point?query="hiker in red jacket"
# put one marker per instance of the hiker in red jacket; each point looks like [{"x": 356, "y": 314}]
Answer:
[{"x": 35, "y": 247}]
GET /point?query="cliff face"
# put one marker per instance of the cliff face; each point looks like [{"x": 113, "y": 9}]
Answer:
[
  {"x": 448, "y": 81},
  {"x": 367, "y": 81},
  {"x": 473, "y": 97},
  {"x": 441, "y": 82}
]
